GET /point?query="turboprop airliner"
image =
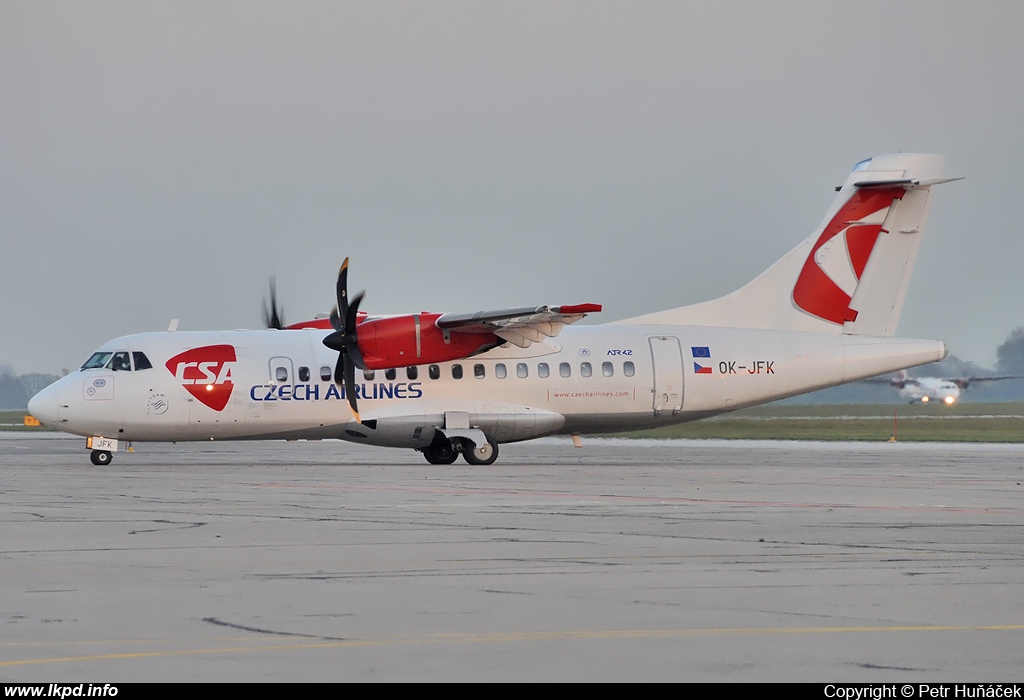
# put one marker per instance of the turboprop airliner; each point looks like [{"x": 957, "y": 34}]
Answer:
[
  {"x": 933, "y": 389},
  {"x": 450, "y": 384}
]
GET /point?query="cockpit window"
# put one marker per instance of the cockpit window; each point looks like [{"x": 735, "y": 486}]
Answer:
[
  {"x": 141, "y": 361},
  {"x": 98, "y": 359},
  {"x": 120, "y": 362}
]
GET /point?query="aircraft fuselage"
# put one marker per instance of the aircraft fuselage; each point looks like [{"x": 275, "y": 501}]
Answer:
[{"x": 278, "y": 384}]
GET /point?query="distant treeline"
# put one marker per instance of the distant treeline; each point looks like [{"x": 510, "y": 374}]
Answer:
[{"x": 15, "y": 390}]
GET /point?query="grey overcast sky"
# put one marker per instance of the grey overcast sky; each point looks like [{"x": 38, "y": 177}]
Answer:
[{"x": 161, "y": 160}]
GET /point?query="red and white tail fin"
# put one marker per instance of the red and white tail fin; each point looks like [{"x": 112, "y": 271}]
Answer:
[{"x": 851, "y": 275}]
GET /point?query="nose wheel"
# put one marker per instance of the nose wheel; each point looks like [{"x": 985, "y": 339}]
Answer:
[{"x": 101, "y": 457}]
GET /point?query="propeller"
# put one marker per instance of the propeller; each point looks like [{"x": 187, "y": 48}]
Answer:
[
  {"x": 344, "y": 341},
  {"x": 273, "y": 317}
]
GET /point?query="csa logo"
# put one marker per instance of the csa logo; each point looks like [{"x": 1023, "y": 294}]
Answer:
[
  {"x": 206, "y": 373},
  {"x": 832, "y": 271}
]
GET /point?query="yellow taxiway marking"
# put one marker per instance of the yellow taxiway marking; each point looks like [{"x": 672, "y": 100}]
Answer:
[{"x": 466, "y": 638}]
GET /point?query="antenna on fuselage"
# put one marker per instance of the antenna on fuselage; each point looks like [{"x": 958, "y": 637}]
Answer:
[{"x": 173, "y": 325}]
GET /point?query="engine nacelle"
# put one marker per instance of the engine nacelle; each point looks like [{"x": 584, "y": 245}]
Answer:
[{"x": 414, "y": 339}]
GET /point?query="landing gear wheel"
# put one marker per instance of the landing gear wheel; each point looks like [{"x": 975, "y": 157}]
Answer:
[
  {"x": 441, "y": 452},
  {"x": 481, "y": 456},
  {"x": 101, "y": 457}
]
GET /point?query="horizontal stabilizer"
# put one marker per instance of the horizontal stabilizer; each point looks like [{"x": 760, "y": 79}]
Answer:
[{"x": 865, "y": 184}]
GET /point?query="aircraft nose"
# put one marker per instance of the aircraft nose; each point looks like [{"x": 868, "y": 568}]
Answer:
[{"x": 45, "y": 406}]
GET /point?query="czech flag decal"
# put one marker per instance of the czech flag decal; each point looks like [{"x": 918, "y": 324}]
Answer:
[{"x": 704, "y": 353}]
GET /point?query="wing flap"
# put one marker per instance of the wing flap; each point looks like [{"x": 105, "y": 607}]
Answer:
[{"x": 521, "y": 326}]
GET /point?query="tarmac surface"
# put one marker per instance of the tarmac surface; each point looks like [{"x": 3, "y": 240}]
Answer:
[{"x": 622, "y": 561}]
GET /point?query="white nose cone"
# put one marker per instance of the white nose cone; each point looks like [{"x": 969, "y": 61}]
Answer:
[{"x": 44, "y": 406}]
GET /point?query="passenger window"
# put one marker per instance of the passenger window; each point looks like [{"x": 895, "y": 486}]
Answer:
[
  {"x": 628, "y": 369},
  {"x": 456, "y": 371},
  {"x": 434, "y": 371},
  {"x": 542, "y": 370},
  {"x": 564, "y": 369},
  {"x": 369, "y": 374},
  {"x": 120, "y": 362},
  {"x": 522, "y": 371},
  {"x": 303, "y": 374},
  {"x": 499, "y": 371},
  {"x": 585, "y": 369},
  {"x": 390, "y": 374},
  {"x": 478, "y": 371},
  {"x": 281, "y": 374},
  {"x": 141, "y": 361},
  {"x": 412, "y": 372},
  {"x": 607, "y": 369},
  {"x": 326, "y": 373}
]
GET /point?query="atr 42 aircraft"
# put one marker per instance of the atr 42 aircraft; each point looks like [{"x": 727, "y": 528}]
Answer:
[
  {"x": 449, "y": 384},
  {"x": 925, "y": 389}
]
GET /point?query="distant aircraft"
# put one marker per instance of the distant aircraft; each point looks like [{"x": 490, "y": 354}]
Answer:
[
  {"x": 451, "y": 384},
  {"x": 927, "y": 389}
]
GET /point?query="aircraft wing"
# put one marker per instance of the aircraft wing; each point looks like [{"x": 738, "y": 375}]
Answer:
[
  {"x": 521, "y": 326},
  {"x": 963, "y": 382},
  {"x": 890, "y": 381}
]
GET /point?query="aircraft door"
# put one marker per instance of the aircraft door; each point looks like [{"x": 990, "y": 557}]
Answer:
[
  {"x": 667, "y": 361},
  {"x": 217, "y": 398}
]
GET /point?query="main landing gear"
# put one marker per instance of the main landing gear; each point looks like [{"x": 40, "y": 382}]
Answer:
[
  {"x": 483, "y": 455},
  {"x": 445, "y": 451},
  {"x": 441, "y": 451}
]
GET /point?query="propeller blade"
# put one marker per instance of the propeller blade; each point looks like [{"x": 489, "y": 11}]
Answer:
[
  {"x": 353, "y": 313},
  {"x": 344, "y": 340},
  {"x": 350, "y": 389},
  {"x": 342, "y": 289},
  {"x": 351, "y": 339},
  {"x": 272, "y": 317},
  {"x": 339, "y": 370}
]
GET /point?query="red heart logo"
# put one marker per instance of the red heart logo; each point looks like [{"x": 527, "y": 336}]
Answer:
[
  {"x": 815, "y": 291},
  {"x": 206, "y": 373}
]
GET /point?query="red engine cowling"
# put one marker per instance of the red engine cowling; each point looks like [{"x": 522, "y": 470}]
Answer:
[{"x": 401, "y": 341}]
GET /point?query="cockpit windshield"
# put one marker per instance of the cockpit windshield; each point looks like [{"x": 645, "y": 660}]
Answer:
[
  {"x": 118, "y": 361},
  {"x": 98, "y": 359}
]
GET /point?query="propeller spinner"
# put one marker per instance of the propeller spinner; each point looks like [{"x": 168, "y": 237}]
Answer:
[{"x": 344, "y": 340}]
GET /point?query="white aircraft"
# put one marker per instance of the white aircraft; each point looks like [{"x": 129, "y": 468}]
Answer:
[
  {"x": 926, "y": 389},
  {"x": 450, "y": 384}
]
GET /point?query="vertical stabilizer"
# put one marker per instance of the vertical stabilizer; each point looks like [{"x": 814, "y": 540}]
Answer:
[{"x": 851, "y": 275}]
